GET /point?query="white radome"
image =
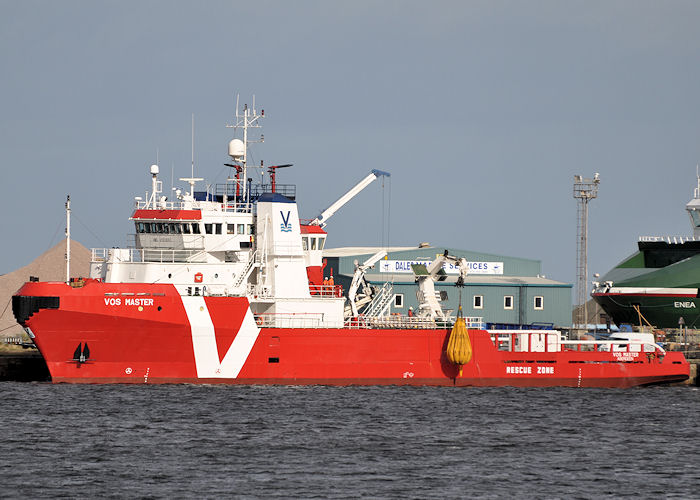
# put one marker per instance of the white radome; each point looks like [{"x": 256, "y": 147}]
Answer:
[{"x": 236, "y": 149}]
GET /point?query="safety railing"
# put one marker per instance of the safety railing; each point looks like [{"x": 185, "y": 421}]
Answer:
[
  {"x": 294, "y": 320},
  {"x": 229, "y": 206},
  {"x": 668, "y": 239},
  {"x": 326, "y": 290},
  {"x": 410, "y": 322},
  {"x": 140, "y": 255},
  {"x": 544, "y": 341}
]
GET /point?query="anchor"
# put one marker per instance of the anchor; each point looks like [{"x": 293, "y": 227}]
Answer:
[{"x": 81, "y": 354}]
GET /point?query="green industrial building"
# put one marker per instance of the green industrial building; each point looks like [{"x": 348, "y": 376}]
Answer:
[{"x": 504, "y": 291}]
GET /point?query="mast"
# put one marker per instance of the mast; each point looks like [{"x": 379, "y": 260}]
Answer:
[
  {"x": 249, "y": 118},
  {"x": 68, "y": 239},
  {"x": 584, "y": 191}
]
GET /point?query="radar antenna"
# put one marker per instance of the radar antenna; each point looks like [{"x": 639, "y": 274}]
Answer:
[{"x": 248, "y": 118}]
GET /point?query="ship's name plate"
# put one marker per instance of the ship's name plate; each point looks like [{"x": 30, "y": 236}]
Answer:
[{"x": 684, "y": 305}]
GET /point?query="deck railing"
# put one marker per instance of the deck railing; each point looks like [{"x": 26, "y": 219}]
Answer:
[
  {"x": 146, "y": 255},
  {"x": 544, "y": 341},
  {"x": 229, "y": 206},
  {"x": 668, "y": 239}
]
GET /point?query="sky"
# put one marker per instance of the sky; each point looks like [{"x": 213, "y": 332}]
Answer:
[{"x": 482, "y": 111}]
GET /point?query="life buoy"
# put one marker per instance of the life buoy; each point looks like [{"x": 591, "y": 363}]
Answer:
[
  {"x": 198, "y": 277},
  {"x": 259, "y": 320}
]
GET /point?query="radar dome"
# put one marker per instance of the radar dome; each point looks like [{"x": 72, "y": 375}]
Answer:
[
  {"x": 236, "y": 149},
  {"x": 154, "y": 169}
]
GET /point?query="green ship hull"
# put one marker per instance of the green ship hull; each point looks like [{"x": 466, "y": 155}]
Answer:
[{"x": 657, "y": 285}]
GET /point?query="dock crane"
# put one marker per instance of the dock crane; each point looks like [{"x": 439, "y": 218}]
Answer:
[{"x": 322, "y": 219}]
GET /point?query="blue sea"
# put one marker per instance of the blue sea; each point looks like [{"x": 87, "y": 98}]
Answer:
[{"x": 185, "y": 441}]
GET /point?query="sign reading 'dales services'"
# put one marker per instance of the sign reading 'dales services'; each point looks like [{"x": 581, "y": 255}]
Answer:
[{"x": 404, "y": 266}]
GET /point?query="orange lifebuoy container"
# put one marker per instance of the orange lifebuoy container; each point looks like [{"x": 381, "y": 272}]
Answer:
[{"x": 198, "y": 277}]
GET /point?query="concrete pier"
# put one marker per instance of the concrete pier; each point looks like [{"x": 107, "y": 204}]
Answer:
[{"x": 23, "y": 366}]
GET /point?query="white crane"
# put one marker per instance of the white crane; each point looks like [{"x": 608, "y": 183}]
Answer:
[
  {"x": 359, "y": 279},
  {"x": 322, "y": 219},
  {"x": 428, "y": 305}
]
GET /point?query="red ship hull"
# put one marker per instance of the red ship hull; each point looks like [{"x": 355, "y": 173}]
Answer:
[{"x": 150, "y": 334}]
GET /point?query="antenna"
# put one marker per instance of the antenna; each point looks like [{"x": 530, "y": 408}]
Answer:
[
  {"x": 584, "y": 191},
  {"x": 192, "y": 176},
  {"x": 247, "y": 119},
  {"x": 68, "y": 239}
]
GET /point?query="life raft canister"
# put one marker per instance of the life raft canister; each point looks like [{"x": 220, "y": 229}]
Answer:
[{"x": 198, "y": 277}]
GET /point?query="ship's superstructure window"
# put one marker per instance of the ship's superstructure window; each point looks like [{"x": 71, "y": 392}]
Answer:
[
  {"x": 208, "y": 228},
  {"x": 321, "y": 242},
  {"x": 695, "y": 215},
  {"x": 398, "y": 300},
  {"x": 241, "y": 228},
  {"x": 305, "y": 243},
  {"x": 313, "y": 243},
  {"x": 478, "y": 301},
  {"x": 186, "y": 228},
  {"x": 508, "y": 302},
  {"x": 251, "y": 229},
  {"x": 539, "y": 302},
  {"x": 230, "y": 229},
  {"x": 218, "y": 228},
  {"x": 196, "y": 229}
]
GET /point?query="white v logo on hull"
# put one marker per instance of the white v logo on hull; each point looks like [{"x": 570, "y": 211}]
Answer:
[{"x": 206, "y": 354}]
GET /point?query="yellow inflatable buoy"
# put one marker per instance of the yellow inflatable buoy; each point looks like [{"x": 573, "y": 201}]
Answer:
[{"x": 459, "y": 348}]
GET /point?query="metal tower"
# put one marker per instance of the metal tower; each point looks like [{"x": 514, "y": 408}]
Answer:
[{"x": 584, "y": 191}]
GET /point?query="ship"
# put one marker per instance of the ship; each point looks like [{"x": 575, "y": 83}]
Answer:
[
  {"x": 227, "y": 285},
  {"x": 659, "y": 284}
]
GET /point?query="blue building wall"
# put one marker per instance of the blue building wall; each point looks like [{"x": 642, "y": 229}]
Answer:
[{"x": 520, "y": 280}]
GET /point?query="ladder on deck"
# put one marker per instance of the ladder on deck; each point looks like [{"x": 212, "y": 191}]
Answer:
[
  {"x": 246, "y": 271},
  {"x": 381, "y": 302}
]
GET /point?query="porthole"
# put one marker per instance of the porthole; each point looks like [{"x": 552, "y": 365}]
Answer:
[
  {"x": 160, "y": 308},
  {"x": 170, "y": 275}
]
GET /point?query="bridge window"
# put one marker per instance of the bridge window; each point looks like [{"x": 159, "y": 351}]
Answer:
[
  {"x": 313, "y": 243},
  {"x": 695, "y": 215},
  {"x": 217, "y": 228},
  {"x": 321, "y": 241},
  {"x": 478, "y": 301},
  {"x": 196, "y": 229},
  {"x": 305, "y": 243},
  {"x": 508, "y": 302},
  {"x": 186, "y": 228},
  {"x": 159, "y": 225},
  {"x": 208, "y": 228},
  {"x": 539, "y": 302},
  {"x": 140, "y": 227},
  {"x": 230, "y": 229}
]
